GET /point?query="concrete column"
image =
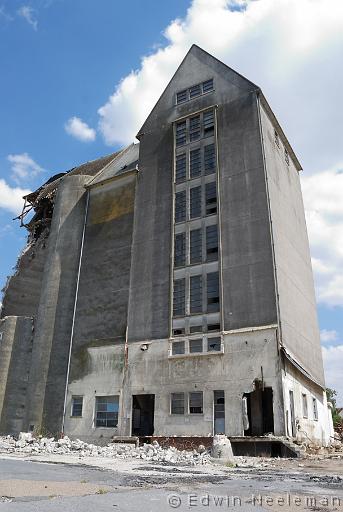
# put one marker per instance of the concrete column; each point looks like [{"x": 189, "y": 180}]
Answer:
[
  {"x": 55, "y": 312},
  {"x": 7, "y": 330}
]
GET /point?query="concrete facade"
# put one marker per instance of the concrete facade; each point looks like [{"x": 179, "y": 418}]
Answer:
[{"x": 176, "y": 295}]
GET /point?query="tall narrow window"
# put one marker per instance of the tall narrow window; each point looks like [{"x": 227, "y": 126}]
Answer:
[
  {"x": 181, "y": 133},
  {"x": 195, "y": 202},
  {"x": 207, "y": 86},
  {"x": 194, "y": 128},
  {"x": 315, "y": 409},
  {"x": 177, "y": 403},
  {"x": 211, "y": 198},
  {"x": 195, "y": 251},
  {"x": 211, "y": 243},
  {"x": 213, "y": 292},
  {"x": 286, "y": 157},
  {"x": 208, "y": 123},
  {"x": 194, "y": 91},
  {"x": 180, "y": 168},
  {"x": 76, "y": 406},
  {"x": 209, "y": 159},
  {"x": 305, "y": 409},
  {"x": 180, "y": 250},
  {"x": 180, "y": 206},
  {"x": 195, "y": 286},
  {"x": 179, "y": 297},
  {"x": 195, "y": 402},
  {"x": 195, "y": 163},
  {"x": 106, "y": 411}
]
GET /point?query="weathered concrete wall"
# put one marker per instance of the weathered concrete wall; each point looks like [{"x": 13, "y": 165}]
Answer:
[
  {"x": 23, "y": 289},
  {"x": 297, "y": 302},
  {"x": 54, "y": 320},
  {"x": 154, "y": 372},
  {"x": 248, "y": 276},
  {"x": 15, "y": 361},
  {"x": 309, "y": 428}
]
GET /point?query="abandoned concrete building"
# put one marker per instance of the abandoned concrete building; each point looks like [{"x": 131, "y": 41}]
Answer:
[{"x": 167, "y": 289}]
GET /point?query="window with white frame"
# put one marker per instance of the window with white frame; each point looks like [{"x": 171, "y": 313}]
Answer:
[
  {"x": 106, "y": 411},
  {"x": 177, "y": 403},
  {"x": 76, "y": 406},
  {"x": 195, "y": 402},
  {"x": 304, "y": 404},
  {"x": 315, "y": 408}
]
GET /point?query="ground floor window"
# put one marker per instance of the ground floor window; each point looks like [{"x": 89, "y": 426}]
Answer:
[
  {"x": 195, "y": 402},
  {"x": 76, "y": 406},
  {"x": 106, "y": 411},
  {"x": 315, "y": 409},
  {"x": 177, "y": 403}
]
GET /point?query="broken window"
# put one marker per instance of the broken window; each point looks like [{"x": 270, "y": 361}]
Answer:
[
  {"x": 195, "y": 294},
  {"x": 209, "y": 159},
  {"x": 214, "y": 344},
  {"x": 195, "y": 202},
  {"x": 76, "y": 406},
  {"x": 179, "y": 297},
  {"x": 180, "y": 136},
  {"x": 180, "y": 206},
  {"x": 213, "y": 327},
  {"x": 180, "y": 250},
  {"x": 177, "y": 403},
  {"x": 212, "y": 243},
  {"x": 208, "y": 120},
  {"x": 195, "y": 346},
  {"x": 195, "y": 253},
  {"x": 304, "y": 403},
  {"x": 195, "y": 402},
  {"x": 195, "y": 163},
  {"x": 106, "y": 411},
  {"x": 178, "y": 331},
  {"x": 180, "y": 168},
  {"x": 211, "y": 198},
  {"x": 212, "y": 292},
  {"x": 178, "y": 347},
  {"x": 315, "y": 409}
]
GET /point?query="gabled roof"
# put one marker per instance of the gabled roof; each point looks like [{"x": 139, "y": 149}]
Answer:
[{"x": 124, "y": 161}]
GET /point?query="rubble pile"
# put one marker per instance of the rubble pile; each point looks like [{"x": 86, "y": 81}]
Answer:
[{"x": 28, "y": 444}]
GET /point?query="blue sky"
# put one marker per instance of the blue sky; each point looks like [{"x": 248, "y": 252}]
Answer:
[{"x": 79, "y": 77}]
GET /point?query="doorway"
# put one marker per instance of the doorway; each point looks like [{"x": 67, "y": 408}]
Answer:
[
  {"x": 259, "y": 406},
  {"x": 143, "y": 409},
  {"x": 219, "y": 412}
]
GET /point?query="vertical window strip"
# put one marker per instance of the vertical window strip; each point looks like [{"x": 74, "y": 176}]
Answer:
[
  {"x": 195, "y": 250},
  {"x": 208, "y": 122},
  {"x": 211, "y": 198},
  {"x": 180, "y": 168},
  {"x": 180, "y": 250},
  {"x": 195, "y": 294},
  {"x": 212, "y": 292},
  {"x": 195, "y": 163},
  {"x": 194, "y": 128},
  {"x": 181, "y": 133},
  {"x": 209, "y": 159},
  {"x": 212, "y": 243},
  {"x": 179, "y": 297},
  {"x": 195, "y": 202},
  {"x": 180, "y": 206}
]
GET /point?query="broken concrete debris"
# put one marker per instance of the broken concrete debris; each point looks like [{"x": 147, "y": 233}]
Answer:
[
  {"x": 28, "y": 444},
  {"x": 221, "y": 448}
]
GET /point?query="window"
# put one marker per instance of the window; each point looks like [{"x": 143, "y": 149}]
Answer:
[
  {"x": 182, "y": 96},
  {"x": 195, "y": 163},
  {"x": 195, "y": 402},
  {"x": 209, "y": 159},
  {"x": 195, "y": 91},
  {"x": 180, "y": 250},
  {"x": 194, "y": 128},
  {"x": 180, "y": 170},
  {"x": 213, "y": 292},
  {"x": 207, "y": 86},
  {"x": 195, "y": 346},
  {"x": 315, "y": 409},
  {"x": 177, "y": 403},
  {"x": 179, "y": 331},
  {"x": 195, "y": 252},
  {"x": 76, "y": 406},
  {"x": 213, "y": 327},
  {"x": 195, "y": 294},
  {"x": 195, "y": 202},
  {"x": 276, "y": 138},
  {"x": 106, "y": 411},
  {"x": 213, "y": 344},
  {"x": 180, "y": 206},
  {"x": 178, "y": 347},
  {"x": 286, "y": 157},
  {"x": 181, "y": 133},
  {"x": 211, "y": 198},
  {"x": 208, "y": 120},
  {"x": 195, "y": 328},
  {"x": 305, "y": 409},
  {"x": 179, "y": 297},
  {"x": 211, "y": 243}
]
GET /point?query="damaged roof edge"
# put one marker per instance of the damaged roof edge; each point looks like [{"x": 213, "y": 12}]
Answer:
[{"x": 299, "y": 367}]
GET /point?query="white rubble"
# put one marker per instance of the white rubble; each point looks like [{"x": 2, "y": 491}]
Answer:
[
  {"x": 28, "y": 444},
  {"x": 221, "y": 448}
]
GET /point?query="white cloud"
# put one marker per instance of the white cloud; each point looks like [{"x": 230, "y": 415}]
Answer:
[
  {"x": 23, "y": 167},
  {"x": 323, "y": 199},
  {"x": 327, "y": 336},
  {"x": 79, "y": 129},
  {"x": 333, "y": 364},
  {"x": 11, "y": 199},
  {"x": 29, "y": 14}
]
